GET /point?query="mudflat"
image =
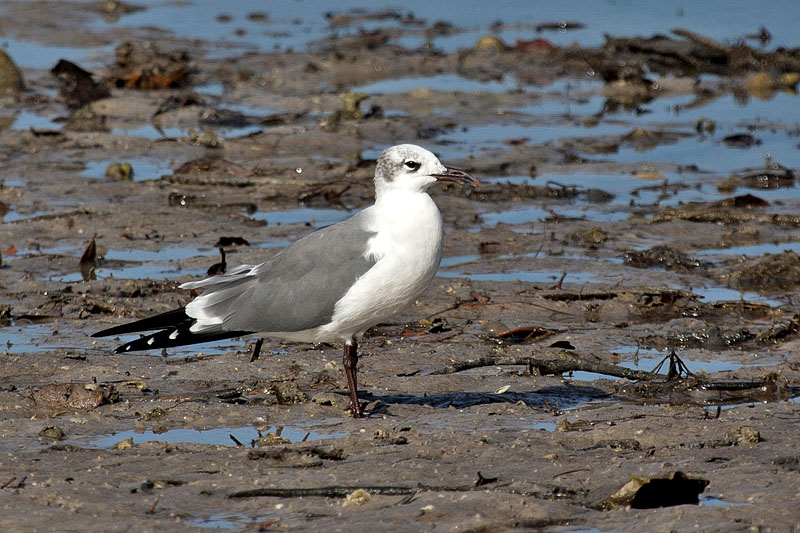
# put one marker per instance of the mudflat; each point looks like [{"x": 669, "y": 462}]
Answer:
[{"x": 628, "y": 216}]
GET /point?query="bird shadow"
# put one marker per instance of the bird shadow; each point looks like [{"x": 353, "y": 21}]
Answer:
[{"x": 558, "y": 397}]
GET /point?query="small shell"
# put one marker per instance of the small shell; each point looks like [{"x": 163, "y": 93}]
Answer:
[{"x": 490, "y": 42}]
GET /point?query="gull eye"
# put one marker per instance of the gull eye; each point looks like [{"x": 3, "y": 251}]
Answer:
[{"x": 412, "y": 165}]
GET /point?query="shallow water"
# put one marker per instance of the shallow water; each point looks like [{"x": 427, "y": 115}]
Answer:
[
  {"x": 303, "y": 215},
  {"x": 144, "y": 169},
  {"x": 440, "y": 82},
  {"x": 26, "y": 120},
  {"x": 28, "y": 338},
  {"x": 146, "y": 264},
  {"x": 527, "y": 276},
  {"x": 294, "y": 24},
  {"x": 215, "y": 436},
  {"x": 231, "y": 520},
  {"x": 714, "y": 501},
  {"x": 648, "y": 359}
]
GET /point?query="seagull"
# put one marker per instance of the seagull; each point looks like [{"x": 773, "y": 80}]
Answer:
[{"x": 331, "y": 285}]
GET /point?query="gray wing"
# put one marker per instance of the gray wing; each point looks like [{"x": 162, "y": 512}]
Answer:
[{"x": 294, "y": 291}]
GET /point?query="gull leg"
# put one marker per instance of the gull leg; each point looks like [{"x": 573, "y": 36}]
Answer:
[{"x": 350, "y": 363}]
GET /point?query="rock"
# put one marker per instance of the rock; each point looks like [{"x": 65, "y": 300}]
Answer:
[
  {"x": 75, "y": 395},
  {"x": 11, "y": 81},
  {"x": 52, "y": 432},
  {"x": 288, "y": 393}
]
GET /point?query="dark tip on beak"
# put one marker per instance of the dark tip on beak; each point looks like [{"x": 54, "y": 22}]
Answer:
[{"x": 456, "y": 175}]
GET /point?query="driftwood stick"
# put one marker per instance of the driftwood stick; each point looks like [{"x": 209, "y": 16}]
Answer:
[
  {"x": 678, "y": 374},
  {"x": 334, "y": 491},
  {"x": 700, "y": 39},
  {"x": 338, "y": 491},
  {"x": 569, "y": 363}
]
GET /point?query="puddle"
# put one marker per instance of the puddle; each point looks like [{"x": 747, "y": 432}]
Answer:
[
  {"x": 247, "y": 109},
  {"x": 448, "y": 262},
  {"x": 154, "y": 272},
  {"x": 545, "y": 426},
  {"x": 468, "y": 263},
  {"x": 526, "y": 215},
  {"x": 491, "y": 136},
  {"x": 210, "y": 89},
  {"x": 168, "y": 254},
  {"x": 161, "y": 264},
  {"x": 726, "y": 111},
  {"x": 714, "y": 501},
  {"x": 216, "y": 436},
  {"x": 231, "y": 520},
  {"x": 14, "y": 215},
  {"x": 290, "y": 27},
  {"x": 143, "y": 264},
  {"x": 28, "y": 54},
  {"x": 628, "y": 190},
  {"x": 143, "y": 169},
  {"x": 722, "y": 294},
  {"x": 648, "y": 362},
  {"x": 440, "y": 82},
  {"x": 539, "y": 276},
  {"x": 303, "y": 215},
  {"x": 713, "y": 155},
  {"x": 26, "y": 120},
  {"x": 648, "y": 358},
  {"x": 525, "y": 425},
  {"x": 10, "y": 182},
  {"x": 28, "y": 339},
  {"x": 753, "y": 250},
  {"x": 148, "y": 131},
  {"x": 558, "y": 101}
]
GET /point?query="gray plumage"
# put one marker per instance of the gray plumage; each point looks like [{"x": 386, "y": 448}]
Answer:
[{"x": 294, "y": 291}]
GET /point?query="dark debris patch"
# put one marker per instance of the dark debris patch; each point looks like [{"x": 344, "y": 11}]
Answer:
[
  {"x": 712, "y": 338},
  {"x": 773, "y": 272},
  {"x": 661, "y": 256},
  {"x": 674, "y": 488}
]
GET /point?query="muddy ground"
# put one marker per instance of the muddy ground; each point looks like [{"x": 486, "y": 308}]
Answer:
[{"x": 538, "y": 433}]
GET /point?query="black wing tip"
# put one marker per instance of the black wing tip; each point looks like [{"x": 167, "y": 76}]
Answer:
[
  {"x": 173, "y": 337},
  {"x": 165, "y": 338},
  {"x": 125, "y": 348},
  {"x": 169, "y": 320}
]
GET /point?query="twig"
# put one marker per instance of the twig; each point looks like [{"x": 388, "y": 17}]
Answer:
[
  {"x": 257, "y": 349},
  {"x": 572, "y": 472},
  {"x": 558, "y": 286},
  {"x": 700, "y": 39},
  {"x": 481, "y": 481},
  {"x": 338, "y": 491},
  {"x": 334, "y": 491},
  {"x": 569, "y": 363},
  {"x": 677, "y": 368}
]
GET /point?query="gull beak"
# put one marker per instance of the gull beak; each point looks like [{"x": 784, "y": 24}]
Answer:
[{"x": 456, "y": 175}]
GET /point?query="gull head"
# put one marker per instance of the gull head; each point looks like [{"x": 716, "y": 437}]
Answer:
[{"x": 410, "y": 168}]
